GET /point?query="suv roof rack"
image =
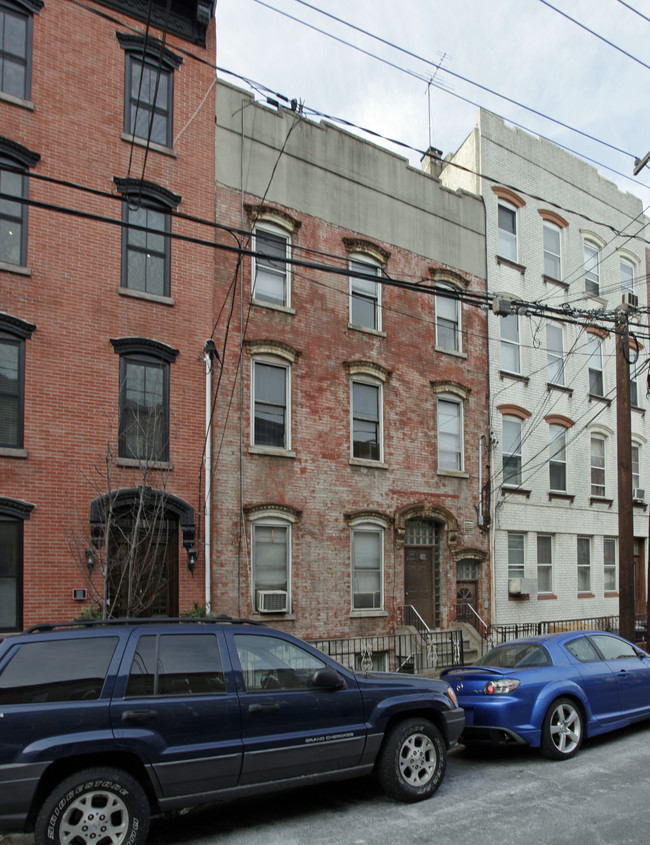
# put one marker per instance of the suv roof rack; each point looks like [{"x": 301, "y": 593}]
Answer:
[{"x": 155, "y": 620}]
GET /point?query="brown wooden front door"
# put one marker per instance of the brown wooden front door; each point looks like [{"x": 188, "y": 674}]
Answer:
[{"x": 418, "y": 581}]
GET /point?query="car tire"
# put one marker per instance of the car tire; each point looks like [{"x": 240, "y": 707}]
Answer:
[
  {"x": 412, "y": 760},
  {"x": 101, "y": 806},
  {"x": 562, "y": 729}
]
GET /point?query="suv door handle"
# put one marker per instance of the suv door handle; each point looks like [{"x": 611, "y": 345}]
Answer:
[
  {"x": 263, "y": 708},
  {"x": 138, "y": 715}
]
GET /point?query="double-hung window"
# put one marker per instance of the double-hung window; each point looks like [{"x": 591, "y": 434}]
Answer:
[
  {"x": 144, "y": 398},
  {"x": 557, "y": 457},
  {"x": 16, "y": 46},
  {"x": 271, "y": 278},
  {"x": 592, "y": 269},
  {"x": 636, "y": 466},
  {"x": 271, "y": 408},
  {"x": 597, "y": 465},
  {"x": 148, "y": 88},
  {"x": 595, "y": 366},
  {"x": 627, "y": 276},
  {"x": 14, "y": 163},
  {"x": 510, "y": 351},
  {"x": 450, "y": 433},
  {"x": 544, "y": 563},
  {"x": 146, "y": 252},
  {"x": 511, "y": 451},
  {"x": 365, "y": 293},
  {"x": 366, "y": 420},
  {"x": 271, "y": 552},
  {"x": 507, "y": 235},
  {"x": 609, "y": 562},
  {"x": 448, "y": 326},
  {"x": 367, "y": 566},
  {"x": 13, "y": 334},
  {"x": 634, "y": 385},
  {"x": 516, "y": 555},
  {"x": 584, "y": 564},
  {"x": 555, "y": 353},
  {"x": 552, "y": 250}
]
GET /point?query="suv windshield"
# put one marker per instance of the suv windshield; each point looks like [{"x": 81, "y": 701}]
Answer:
[{"x": 516, "y": 656}]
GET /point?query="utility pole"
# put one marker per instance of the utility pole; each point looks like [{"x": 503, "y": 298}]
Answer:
[{"x": 624, "y": 455}]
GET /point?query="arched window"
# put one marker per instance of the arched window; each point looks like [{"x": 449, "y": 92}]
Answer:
[
  {"x": 271, "y": 273},
  {"x": 271, "y": 544},
  {"x": 367, "y": 553}
]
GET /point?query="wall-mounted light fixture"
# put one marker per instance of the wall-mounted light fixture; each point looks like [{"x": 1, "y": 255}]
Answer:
[
  {"x": 90, "y": 559},
  {"x": 191, "y": 560}
]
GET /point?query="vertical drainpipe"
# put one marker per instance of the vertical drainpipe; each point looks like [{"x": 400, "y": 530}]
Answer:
[{"x": 209, "y": 354}]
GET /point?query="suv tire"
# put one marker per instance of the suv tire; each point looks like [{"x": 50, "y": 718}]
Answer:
[
  {"x": 101, "y": 806},
  {"x": 412, "y": 761}
]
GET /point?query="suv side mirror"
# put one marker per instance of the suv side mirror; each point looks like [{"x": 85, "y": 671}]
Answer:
[{"x": 327, "y": 679}]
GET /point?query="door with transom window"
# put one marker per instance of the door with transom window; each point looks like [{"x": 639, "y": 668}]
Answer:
[{"x": 422, "y": 569}]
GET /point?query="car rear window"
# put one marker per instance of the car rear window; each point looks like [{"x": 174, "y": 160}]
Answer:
[
  {"x": 516, "y": 655},
  {"x": 57, "y": 670}
]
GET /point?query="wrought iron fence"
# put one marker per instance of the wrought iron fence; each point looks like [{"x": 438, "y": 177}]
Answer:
[{"x": 418, "y": 653}]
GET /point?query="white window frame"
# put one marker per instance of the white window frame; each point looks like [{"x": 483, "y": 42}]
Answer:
[
  {"x": 358, "y": 288},
  {"x": 285, "y": 274},
  {"x": 595, "y": 364},
  {"x": 610, "y": 565},
  {"x": 360, "y": 527},
  {"x": 516, "y": 566},
  {"x": 545, "y": 567},
  {"x": 555, "y": 353},
  {"x": 557, "y": 454},
  {"x": 584, "y": 569},
  {"x": 511, "y": 342},
  {"x": 634, "y": 384},
  {"x": 627, "y": 275},
  {"x": 450, "y": 400},
  {"x": 506, "y": 423},
  {"x": 635, "y": 463},
  {"x": 595, "y": 464},
  {"x": 453, "y": 324},
  {"x": 271, "y": 519},
  {"x": 507, "y": 240},
  {"x": 552, "y": 251},
  {"x": 280, "y": 363},
  {"x": 360, "y": 379},
  {"x": 591, "y": 253}
]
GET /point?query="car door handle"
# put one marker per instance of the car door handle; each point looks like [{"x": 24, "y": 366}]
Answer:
[
  {"x": 138, "y": 715},
  {"x": 263, "y": 708}
]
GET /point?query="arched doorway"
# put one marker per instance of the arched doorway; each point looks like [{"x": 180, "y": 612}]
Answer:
[
  {"x": 138, "y": 531},
  {"x": 422, "y": 568}
]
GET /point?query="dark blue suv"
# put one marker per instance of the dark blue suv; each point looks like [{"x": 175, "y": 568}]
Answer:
[{"x": 104, "y": 724}]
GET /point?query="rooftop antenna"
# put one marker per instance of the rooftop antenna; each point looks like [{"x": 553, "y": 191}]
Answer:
[{"x": 429, "y": 84}]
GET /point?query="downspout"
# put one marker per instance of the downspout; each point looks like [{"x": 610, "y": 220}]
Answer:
[{"x": 209, "y": 354}]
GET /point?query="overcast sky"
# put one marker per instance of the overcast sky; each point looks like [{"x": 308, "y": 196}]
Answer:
[{"x": 522, "y": 49}]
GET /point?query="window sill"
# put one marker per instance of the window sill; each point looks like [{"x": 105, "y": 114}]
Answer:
[
  {"x": 360, "y": 462},
  {"x": 546, "y": 596},
  {"x": 611, "y": 594},
  {"x": 276, "y": 617},
  {"x": 366, "y": 330},
  {"x": 600, "y": 500},
  {"x": 141, "y": 464},
  {"x": 594, "y": 398},
  {"x": 639, "y": 410},
  {"x": 271, "y": 451},
  {"x": 10, "y": 452},
  {"x": 362, "y": 614},
  {"x": 452, "y": 473},
  {"x": 596, "y": 297},
  {"x": 142, "y": 142},
  {"x": 508, "y": 263},
  {"x": 518, "y": 598},
  {"x": 558, "y": 494},
  {"x": 504, "y": 374},
  {"x": 549, "y": 280},
  {"x": 150, "y": 297},
  {"x": 586, "y": 596},
  {"x": 454, "y": 352},
  {"x": 559, "y": 387},
  {"x": 517, "y": 491},
  {"x": 637, "y": 503},
  {"x": 17, "y": 101},
  {"x": 272, "y": 306},
  {"x": 15, "y": 268}
]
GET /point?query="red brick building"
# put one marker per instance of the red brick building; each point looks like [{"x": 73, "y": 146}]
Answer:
[{"x": 100, "y": 347}]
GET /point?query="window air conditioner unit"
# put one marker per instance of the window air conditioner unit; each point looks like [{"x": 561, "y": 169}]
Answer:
[
  {"x": 521, "y": 586},
  {"x": 631, "y": 299},
  {"x": 272, "y": 601},
  {"x": 638, "y": 494}
]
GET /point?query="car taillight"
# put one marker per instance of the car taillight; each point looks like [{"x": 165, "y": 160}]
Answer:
[{"x": 502, "y": 687}]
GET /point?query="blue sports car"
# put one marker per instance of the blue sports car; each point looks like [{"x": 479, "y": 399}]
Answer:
[{"x": 552, "y": 691}]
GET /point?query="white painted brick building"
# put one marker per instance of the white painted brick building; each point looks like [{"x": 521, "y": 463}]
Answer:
[{"x": 558, "y": 233}]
